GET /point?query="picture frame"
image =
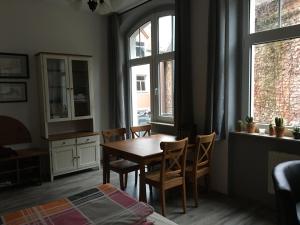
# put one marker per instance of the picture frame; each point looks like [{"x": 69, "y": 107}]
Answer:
[
  {"x": 14, "y": 66},
  {"x": 13, "y": 92}
]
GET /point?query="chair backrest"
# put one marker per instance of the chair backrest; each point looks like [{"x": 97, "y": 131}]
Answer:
[
  {"x": 140, "y": 131},
  {"x": 286, "y": 179},
  {"x": 203, "y": 150},
  {"x": 117, "y": 134},
  {"x": 173, "y": 158}
]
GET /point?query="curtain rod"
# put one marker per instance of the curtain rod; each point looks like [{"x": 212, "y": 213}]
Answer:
[{"x": 128, "y": 10}]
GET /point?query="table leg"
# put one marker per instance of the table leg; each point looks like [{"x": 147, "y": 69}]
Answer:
[
  {"x": 105, "y": 166},
  {"x": 143, "y": 197}
]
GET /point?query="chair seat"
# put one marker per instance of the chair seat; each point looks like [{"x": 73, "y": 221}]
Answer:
[
  {"x": 123, "y": 166},
  {"x": 200, "y": 171},
  {"x": 171, "y": 179}
]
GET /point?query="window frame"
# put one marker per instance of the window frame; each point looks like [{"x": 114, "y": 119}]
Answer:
[
  {"x": 153, "y": 60},
  {"x": 250, "y": 39}
]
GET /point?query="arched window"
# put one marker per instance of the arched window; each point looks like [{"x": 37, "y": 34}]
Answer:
[{"x": 151, "y": 60}]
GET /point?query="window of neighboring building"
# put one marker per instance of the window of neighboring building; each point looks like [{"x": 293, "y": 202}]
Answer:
[
  {"x": 140, "y": 49},
  {"x": 152, "y": 53},
  {"x": 140, "y": 83},
  {"x": 272, "y": 58}
]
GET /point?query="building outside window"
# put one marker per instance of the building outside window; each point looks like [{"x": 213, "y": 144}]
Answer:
[
  {"x": 151, "y": 63},
  {"x": 272, "y": 58}
]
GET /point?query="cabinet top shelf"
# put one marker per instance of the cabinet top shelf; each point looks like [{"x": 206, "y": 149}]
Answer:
[{"x": 56, "y": 137}]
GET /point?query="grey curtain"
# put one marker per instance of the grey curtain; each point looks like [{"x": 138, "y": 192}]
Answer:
[
  {"x": 224, "y": 60},
  {"x": 117, "y": 75},
  {"x": 183, "y": 114},
  {"x": 215, "y": 119}
]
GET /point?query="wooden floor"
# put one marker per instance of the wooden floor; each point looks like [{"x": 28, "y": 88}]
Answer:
[{"x": 213, "y": 208}]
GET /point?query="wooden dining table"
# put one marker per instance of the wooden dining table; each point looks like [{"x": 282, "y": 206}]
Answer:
[{"x": 141, "y": 150}]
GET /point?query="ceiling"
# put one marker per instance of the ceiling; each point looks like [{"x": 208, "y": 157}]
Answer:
[{"x": 108, "y": 6}]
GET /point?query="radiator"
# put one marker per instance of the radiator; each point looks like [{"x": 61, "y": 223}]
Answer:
[{"x": 274, "y": 159}]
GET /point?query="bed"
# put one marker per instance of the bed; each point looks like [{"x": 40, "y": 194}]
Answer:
[{"x": 104, "y": 204}]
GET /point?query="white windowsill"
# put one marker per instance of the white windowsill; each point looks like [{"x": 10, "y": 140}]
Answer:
[{"x": 162, "y": 124}]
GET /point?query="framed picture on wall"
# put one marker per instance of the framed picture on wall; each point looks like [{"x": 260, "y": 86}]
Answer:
[
  {"x": 14, "y": 65},
  {"x": 13, "y": 92}
]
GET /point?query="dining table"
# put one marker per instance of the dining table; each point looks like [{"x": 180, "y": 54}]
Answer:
[{"x": 143, "y": 151}]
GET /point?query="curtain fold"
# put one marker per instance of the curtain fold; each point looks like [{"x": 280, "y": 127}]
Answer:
[
  {"x": 183, "y": 113},
  {"x": 224, "y": 67},
  {"x": 215, "y": 110},
  {"x": 118, "y": 110}
]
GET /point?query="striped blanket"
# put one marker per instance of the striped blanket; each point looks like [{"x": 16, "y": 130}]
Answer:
[{"x": 101, "y": 205}]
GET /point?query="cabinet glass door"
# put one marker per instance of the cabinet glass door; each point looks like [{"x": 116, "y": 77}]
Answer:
[
  {"x": 81, "y": 88},
  {"x": 58, "y": 86}
]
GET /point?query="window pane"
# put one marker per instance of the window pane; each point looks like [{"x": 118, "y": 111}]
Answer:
[
  {"x": 166, "y": 34},
  {"x": 290, "y": 12},
  {"x": 140, "y": 42},
  {"x": 141, "y": 108},
  {"x": 166, "y": 88},
  {"x": 276, "y": 81},
  {"x": 264, "y": 15}
]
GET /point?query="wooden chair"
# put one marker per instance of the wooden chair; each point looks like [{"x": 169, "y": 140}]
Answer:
[
  {"x": 172, "y": 171},
  {"x": 140, "y": 131},
  {"x": 120, "y": 166},
  {"x": 200, "y": 165}
]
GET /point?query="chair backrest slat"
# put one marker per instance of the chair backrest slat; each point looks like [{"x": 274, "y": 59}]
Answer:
[
  {"x": 204, "y": 148},
  {"x": 140, "y": 131},
  {"x": 117, "y": 134},
  {"x": 173, "y": 158}
]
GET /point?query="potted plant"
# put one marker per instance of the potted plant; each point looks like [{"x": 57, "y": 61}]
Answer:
[
  {"x": 279, "y": 128},
  {"x": 296, "y": 132},
  {"x": 239, "y": 125},
  {"x": 250, "y": 125},
  {"x": 271, "y": 129}
]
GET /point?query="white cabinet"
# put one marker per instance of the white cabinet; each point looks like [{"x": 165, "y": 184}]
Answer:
[
  {"x": 66, "y": 87},
  {"x": 67, "y": 112},
  {"x": 69, "y": 155}
]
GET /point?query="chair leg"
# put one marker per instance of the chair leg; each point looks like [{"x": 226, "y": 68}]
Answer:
[
  {"x": 183, "y": 198},
  {"x": 136, "y": 177},
  {"x": 162, "y": 202},
  {"x": 121, "y": 182},
  {"x": 126, "y": 178},
  {"x": 195, "y": 190}
]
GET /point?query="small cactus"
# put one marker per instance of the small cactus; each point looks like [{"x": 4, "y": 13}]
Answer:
[
  {"x": 296, "y": 130},
  {"x": 249, "y": 119},
  {"x": 279, "y": 122}
]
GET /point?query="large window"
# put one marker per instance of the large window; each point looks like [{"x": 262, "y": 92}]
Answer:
[
  {"x": 272, "y": 58},
  {"x": 151, "y": 66}
]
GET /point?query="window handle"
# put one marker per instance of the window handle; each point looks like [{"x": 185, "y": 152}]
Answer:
[{"x": 155, "y": 91}]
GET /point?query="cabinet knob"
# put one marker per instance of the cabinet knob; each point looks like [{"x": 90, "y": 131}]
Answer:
[
  {"x": 64, "y": 143},
  {"x": 87, "y": 139}
]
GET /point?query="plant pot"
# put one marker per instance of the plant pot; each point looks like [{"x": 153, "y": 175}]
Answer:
[
  {"x": 296, "y": 135},
  {"x": 279, "y": 131},
  {"x": 250, "y": 127},
  {"x": 271, "y": 131}
]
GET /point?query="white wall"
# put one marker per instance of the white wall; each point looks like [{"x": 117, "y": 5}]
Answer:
[
  {"x": 32, "y": 26},
  {"x": 199, "y": 29}
]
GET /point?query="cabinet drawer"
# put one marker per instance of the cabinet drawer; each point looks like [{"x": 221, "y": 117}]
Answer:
[
  {"x": 64, "y": 142},
  {"x": 87, "y": 139}
]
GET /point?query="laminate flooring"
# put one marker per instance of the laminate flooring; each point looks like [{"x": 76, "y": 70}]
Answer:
[{"x": 214, "y": 208}]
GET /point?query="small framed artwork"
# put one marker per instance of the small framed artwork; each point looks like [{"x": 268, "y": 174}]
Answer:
[
  {"x": 14, "y": 65},
  {"x": 13, "y": 92}
]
